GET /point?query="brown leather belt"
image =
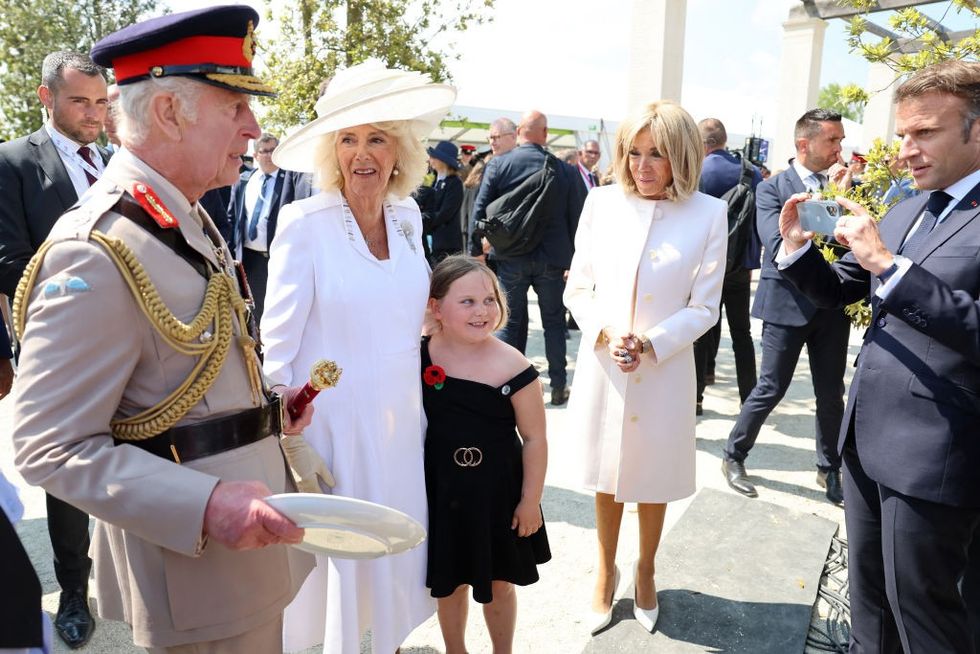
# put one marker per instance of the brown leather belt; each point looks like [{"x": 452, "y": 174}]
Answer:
[{"x": 189, "y": 442}]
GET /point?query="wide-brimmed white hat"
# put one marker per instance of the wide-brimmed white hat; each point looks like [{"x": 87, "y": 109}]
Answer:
[{"x": 363, "y": 94}]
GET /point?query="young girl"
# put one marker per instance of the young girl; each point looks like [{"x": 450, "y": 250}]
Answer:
[{"x": 484, "y": 483}]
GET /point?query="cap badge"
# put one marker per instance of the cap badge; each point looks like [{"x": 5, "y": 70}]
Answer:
[
  {"x": 154, "y": 206},
  {"x": 248, "y": 44}
]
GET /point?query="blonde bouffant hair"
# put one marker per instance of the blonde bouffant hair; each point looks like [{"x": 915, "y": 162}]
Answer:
[
  {"x": 676, "y": 135},
  {"x": 411, "y": 160}
]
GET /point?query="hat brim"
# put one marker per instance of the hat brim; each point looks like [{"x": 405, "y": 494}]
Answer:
[
  {"x": 423, "y": 107},
  {"x": 245, "y": 83},
  {"x": 452, "y": 163}
]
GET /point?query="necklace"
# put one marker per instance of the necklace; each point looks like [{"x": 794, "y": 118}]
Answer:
[{"x": 403, "y": 229}]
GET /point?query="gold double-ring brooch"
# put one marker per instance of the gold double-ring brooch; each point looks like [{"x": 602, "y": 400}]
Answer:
[{"x": 468, "y": 457}]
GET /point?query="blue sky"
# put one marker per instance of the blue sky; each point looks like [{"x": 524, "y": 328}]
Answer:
[{"x": 571, "y": 57}]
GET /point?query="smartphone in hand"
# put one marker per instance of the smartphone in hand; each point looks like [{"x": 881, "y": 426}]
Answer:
[{"x": 819, "y": 216}]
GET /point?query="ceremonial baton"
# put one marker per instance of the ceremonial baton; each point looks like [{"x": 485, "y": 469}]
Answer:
[{"x": 324, "y": 374}]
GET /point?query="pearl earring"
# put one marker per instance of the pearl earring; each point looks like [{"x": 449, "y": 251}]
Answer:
[{"x": 394, "y": 172}]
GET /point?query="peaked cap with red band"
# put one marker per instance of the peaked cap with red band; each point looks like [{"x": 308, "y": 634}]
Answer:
[{"x": 214, "y": 45}]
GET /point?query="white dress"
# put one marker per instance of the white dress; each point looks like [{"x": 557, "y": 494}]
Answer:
[{"x": 329, "y": 298}]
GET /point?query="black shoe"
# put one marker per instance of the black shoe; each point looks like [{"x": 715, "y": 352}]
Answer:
[
  {"x": 734, "y": 472},
  {"x": 831, "y": 481},
  {"x": 559, "y": 395},
  {"x": 698, "y": 409},
  {"x": 74, "y": 623}
]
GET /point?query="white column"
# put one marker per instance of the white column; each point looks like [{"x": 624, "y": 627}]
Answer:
[
  {"x": 879, "y": 114},
  {"x": 656, "y": 51},
  {"x": 799, "y": 81}
]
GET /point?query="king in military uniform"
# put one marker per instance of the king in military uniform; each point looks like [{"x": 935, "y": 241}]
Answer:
[{"x": 140, "y": 397}]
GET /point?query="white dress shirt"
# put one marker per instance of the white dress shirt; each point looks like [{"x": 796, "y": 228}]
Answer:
[
  {"x": 252, "y": 190},
  {"x": 68, "y": 151}
]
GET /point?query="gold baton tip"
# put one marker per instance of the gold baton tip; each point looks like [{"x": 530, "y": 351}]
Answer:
[{"x": 324, "y": 374}]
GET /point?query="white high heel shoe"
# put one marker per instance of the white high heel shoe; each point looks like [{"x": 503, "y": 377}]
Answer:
[
  {"x": 596, "y": 622},
  {"x": 646, "y": 617}
]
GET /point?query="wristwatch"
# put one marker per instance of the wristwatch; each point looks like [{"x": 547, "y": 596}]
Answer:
[
  {"x": 887, "y": 272},
  {"x": 645, "y": 345}
]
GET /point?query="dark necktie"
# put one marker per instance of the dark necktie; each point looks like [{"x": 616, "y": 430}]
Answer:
[
  {"x": 817, "y": 181},
  {"x": 934, "y": 207},
  {"x": 253, "y": 224},
  {"x": 87, "y": 156}
]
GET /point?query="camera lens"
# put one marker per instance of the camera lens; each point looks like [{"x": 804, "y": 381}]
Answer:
[{"x": 832, "y": 210}]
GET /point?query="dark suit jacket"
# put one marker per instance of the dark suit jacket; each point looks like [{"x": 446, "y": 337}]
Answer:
[
  {"x": 236, "y": 208},
  {"x": 35, "y": 190},
  {"x": 297, "y": 186},
  {"x": 505, "y": 172},
  {"x": 216, "y": 202},
  {"x": 441, "y": 215},
  {"x": 915, "y": 397},
  {"x": 776, "y": 299},
  {"x": 720, "y": 173}
]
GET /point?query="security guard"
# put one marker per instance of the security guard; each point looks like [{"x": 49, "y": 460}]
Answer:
[{"x": 140, "y": 397}]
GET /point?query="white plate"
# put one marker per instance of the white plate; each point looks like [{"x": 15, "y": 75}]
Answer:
[{"x": 348, "y": 528}]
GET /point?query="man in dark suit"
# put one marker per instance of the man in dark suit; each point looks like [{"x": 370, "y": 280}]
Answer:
[
  {"x": 790, "y": 320},
  {"x": 254, "y": 209},
  {"x": 588, "y": 157},
  {"x": 909, "y": 436},
  {"x": 42, "y": 175},
  {"x": 296, "y": 186},
  {"x": 720, "y": 173},
  {"x": 545, "y": 267}
]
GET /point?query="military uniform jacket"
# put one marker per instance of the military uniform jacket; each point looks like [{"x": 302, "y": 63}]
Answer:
[{"x": 90, "y": 355}]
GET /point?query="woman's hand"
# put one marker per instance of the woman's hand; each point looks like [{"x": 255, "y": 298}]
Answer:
[
  {"x": 527, "y": 518},
  {"x": 624, "y": 350}
]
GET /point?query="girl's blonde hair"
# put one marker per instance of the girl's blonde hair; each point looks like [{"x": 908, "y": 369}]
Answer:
[
  {"x": 411, "y": 160},
  {"x": 454, "y": 267}
]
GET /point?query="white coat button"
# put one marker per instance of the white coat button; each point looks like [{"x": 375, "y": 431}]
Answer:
[
  {"x": 634, "y": 418},
  {"x": 648, "y": 297},
  {"x": 637, "y": 378}
]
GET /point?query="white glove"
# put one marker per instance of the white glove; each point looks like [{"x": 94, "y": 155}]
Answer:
[{"x": 305, "y": 464}]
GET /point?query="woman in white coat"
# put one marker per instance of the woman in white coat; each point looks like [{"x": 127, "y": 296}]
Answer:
[
  {"x": 644, "y": 283},
  {"x": 348, "y": 281}
]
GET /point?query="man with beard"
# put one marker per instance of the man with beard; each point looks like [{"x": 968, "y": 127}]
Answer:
[{"x": 41, "y": 175}]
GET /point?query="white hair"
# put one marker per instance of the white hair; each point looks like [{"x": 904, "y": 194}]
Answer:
[{"x": 134, "y": 104}]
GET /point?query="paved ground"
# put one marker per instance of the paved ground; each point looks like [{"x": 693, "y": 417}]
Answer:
[{"x": 781, "y": 465}]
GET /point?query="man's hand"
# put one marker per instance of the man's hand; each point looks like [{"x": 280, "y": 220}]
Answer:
[
  {"x": 841, "y": 175},
  {"x": 237, "y": 517},
  {"x": 789, "y": 224},
  {"x": 860, "y": 233},
  {"x": 297, "y": 426}
]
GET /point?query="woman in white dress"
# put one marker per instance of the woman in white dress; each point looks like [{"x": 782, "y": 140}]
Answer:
[
  {"x": 644, "y": 283},
  {"x": 348, "y": 281}
]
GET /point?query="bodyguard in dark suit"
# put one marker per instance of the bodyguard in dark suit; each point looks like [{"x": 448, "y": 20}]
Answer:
[
  {"x": 721, "y": 172},
  {"x": 254, "y": 209},
  {"x": 790, "y": 320},
  {"x": 910, "y": 434},
  {"x": 296, "y": 186},
  {"x": 42, "y": 175},
  {"x": 544, "y": 268}
]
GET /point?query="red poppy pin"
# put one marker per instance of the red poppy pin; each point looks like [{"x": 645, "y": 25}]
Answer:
[{"x": 434, "y": 376}]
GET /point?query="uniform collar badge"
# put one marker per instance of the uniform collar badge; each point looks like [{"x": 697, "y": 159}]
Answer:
[{"x": 153, "y": 205}]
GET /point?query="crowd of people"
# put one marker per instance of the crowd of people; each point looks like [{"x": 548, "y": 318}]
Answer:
[{"x": 187, "y": 297}]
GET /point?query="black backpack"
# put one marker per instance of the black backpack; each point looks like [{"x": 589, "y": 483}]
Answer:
[
  {"x": 741, "y": 216},
  {"x": 516, "y": 221}
]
